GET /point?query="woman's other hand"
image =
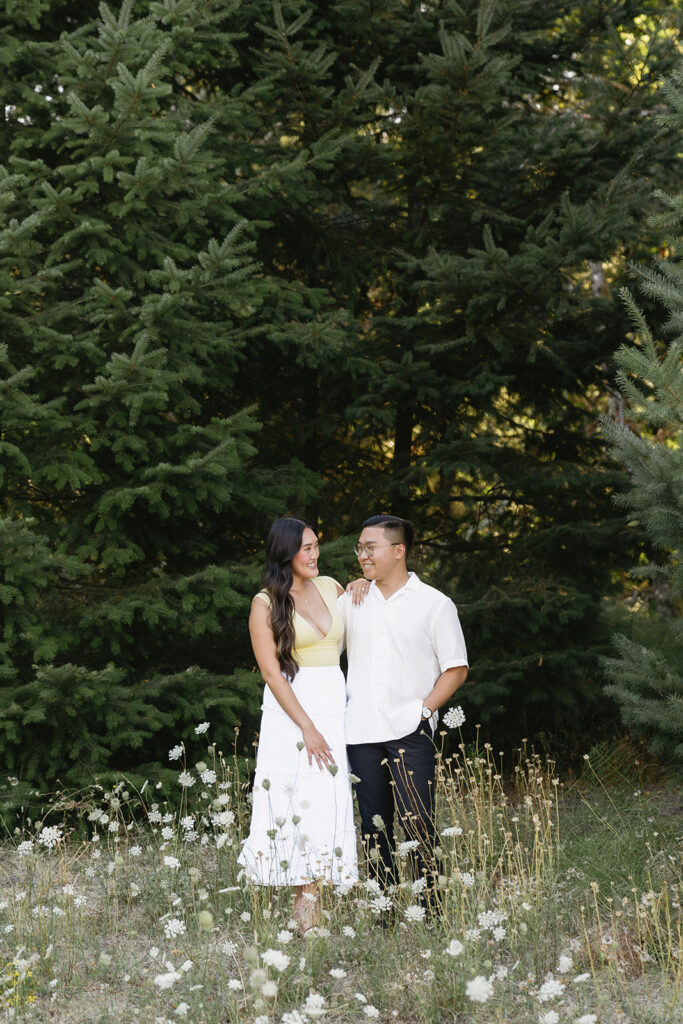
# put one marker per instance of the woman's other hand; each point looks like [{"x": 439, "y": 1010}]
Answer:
[
  {"x": 317, "y": 747},
  {"x": 358, "y": 589}
]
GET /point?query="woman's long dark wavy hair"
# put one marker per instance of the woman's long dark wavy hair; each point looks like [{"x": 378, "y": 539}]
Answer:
[{"x": 283, "y": 543}]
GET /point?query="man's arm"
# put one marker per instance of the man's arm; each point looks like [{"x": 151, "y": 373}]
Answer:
[{"x": 445, "y": 686}]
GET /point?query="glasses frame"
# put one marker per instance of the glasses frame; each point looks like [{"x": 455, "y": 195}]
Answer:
[{"x": 375, "y": 547}]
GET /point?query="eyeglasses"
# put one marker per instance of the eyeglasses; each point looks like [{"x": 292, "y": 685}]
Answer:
[{"x": 369, "y": 549}]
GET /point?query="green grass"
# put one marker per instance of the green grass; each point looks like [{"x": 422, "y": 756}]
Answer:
[{"x": 564, "y": 890}]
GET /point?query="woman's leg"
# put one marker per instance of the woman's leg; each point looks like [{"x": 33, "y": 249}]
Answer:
[{"x": 306, "y": 907}]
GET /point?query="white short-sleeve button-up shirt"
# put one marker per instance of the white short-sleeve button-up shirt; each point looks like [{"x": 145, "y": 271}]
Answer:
[{"x": 397, "y": 648}]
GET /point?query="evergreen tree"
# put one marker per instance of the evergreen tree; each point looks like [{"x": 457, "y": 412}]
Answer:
[
  {"x": 131, "y": 503},
  {"x": 647, "y": 675},
  {"x": 475, "y": 223}
]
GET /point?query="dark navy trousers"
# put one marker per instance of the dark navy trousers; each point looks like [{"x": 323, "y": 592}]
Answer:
[{"x": 396, "y": 776}]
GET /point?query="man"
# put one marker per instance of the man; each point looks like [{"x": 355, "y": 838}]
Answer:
[{"x": 406, "y": 657}]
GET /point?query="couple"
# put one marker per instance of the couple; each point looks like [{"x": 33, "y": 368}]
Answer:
[{"x": 406, "y": 657}]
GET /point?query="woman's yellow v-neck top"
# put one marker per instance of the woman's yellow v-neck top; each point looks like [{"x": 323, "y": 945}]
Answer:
[{"x": 310, "y": 649}]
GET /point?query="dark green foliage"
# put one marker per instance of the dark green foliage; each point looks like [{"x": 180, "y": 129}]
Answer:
[
  {"x": 325, "y": 258},
  {"x": 646, "y": 677},
  {"x": 126, "y": 454},
  {"x": 496, "y": 162}
]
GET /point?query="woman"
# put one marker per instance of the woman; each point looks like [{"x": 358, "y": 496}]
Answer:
[{"x": 302, "y": 829}]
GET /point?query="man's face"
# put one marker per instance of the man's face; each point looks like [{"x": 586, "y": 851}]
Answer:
[{"x": 378, "y": 556}]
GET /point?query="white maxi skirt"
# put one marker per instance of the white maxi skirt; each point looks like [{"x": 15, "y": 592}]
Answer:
[{"x": 302, "y": 818}]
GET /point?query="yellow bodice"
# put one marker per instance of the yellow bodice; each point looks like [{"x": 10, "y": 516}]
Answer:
[{"x": 311, "y": 650}]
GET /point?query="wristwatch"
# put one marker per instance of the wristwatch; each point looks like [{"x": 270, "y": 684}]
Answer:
[{"x": 427, "y": 713}]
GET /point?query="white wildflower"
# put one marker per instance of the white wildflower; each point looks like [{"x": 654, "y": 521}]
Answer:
[
  {"x": 277, "y": 959},
  {"x": 370, "y": 1011},
  {"x": 467, "y": 879},
  {"x": 174, "y": 927},
  {"x": 479, "y": 989},
  {"x": 452, "y": 830},
  {"x": 348, "y": 931},
  {"x": 23, "y": 849},
  {"x": 490, "y": 918},
  {"x": 235, "y": 984},
  {"x": 414, "y": 913},
  {"x": 172, "y": 862},
  {"x": 454, "y": 948},
  {"x": 403, "y": 849},
  {"x": 588, "y": 1018},
  {"x": 186, "y": 779},
  {"x": 551, "y": 1017},
  {"x": 269, "y": 989},
  {"x": 167, "y": 980},
  {"x": 208, "y": 777},
  {"x": 564, "y": 964},
  {"x": 314, "y": 1005},
  {"x": 337, "y": 972},
  {"x": 294, "y": 1017},
  {"x": 175, "y": 753},
  {"x": 50, "y": 836},
  {"x": 550, "y": 989},
  {"x": 202, "y": 727},
  {"x": 285, "y": 936},
  {"x": 135, "y": 851},
  {"x": 454, "y": 718}
]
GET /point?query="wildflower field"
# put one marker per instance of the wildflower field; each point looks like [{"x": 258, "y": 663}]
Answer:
[{"x": 558, "y": 902}]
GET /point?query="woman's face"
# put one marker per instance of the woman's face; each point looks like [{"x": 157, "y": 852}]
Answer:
[{"x": 305, "y": 561}]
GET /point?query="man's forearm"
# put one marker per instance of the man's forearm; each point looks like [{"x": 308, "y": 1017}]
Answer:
[{"x": 445, "y": 686}]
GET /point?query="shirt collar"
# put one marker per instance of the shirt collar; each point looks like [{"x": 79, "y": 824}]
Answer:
[{"x": 412, "y": 583}]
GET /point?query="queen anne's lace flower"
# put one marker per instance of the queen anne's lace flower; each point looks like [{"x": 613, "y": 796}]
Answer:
[
  {"x": 454, "y": 948},
  {"x": 550, "y": 989},
  {"x": 50, "y": 836},
  {"x": 277, "y": 959},
  {"x": 403, "y": 849},
  {"x": 202, "y": 727},
  {"x": 314, "y": 1005},
  {"x": 479, "y": 989},
  {"x": 175, "y": 753},
  {"x": 174, "y": 927},
  {"x": 186, "y": 779},
  {"x": 167, "y": 980},
  {"x": 454, "y": 718},
  {"x": 414, "y": 913}
]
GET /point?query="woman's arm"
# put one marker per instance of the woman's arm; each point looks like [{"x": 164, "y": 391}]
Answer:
[{"x": 263, "y": 643}]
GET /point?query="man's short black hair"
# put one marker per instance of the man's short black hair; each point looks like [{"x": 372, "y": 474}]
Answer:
[{"x": 400, "y": 530}]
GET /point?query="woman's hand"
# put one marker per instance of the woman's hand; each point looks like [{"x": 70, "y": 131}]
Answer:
[
  {"x": 317, "y": 747},
  {"x": 358, "y": 589}
]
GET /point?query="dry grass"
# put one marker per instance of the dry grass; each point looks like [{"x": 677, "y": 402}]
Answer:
[{"x": 569, "y": 893}]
